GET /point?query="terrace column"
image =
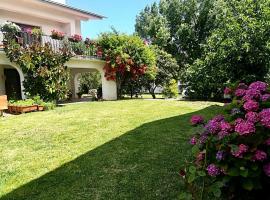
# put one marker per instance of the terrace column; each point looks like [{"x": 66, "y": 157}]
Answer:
[{"x": 109, "y": 88}]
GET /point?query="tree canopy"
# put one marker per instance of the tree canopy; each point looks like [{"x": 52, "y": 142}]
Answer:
[{"x": 215, "y": 42}]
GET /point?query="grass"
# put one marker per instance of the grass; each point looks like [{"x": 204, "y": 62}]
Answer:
[{"x": 131, "y": 149}]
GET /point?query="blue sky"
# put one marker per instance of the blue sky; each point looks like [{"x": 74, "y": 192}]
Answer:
[{"x": 120, "y": 14}]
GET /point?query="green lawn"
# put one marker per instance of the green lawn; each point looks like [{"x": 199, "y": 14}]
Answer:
[{"x": 130, "y": 149}]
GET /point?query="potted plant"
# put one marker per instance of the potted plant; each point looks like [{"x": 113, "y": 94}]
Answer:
[
  {"x": 22, "y": 106},
  {"x": 57, "y": 35},
  {"x": 9, "y": 27},
  {"x": 75, "y": 38}
]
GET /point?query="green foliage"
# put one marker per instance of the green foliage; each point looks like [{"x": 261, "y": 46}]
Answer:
[
  {"x": 46, "y": 74},
  {"x": 153, "y": 26},
  {"x": 89, "y": 81},
  {"x": 170, "y": 89},
  {"x": 180, "y": 27},
  {"x": 26, "y": 102},
  {"x": 215, "y": 42},
  {"x": 33, "y": 101},
  {"x": 166, "y": 70},
  {"x": 127, "y": 58},
  {"x": 237, "y": 49}
]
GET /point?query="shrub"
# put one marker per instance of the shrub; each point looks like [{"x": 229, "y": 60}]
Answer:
[
  {"x": 170, "y": 89},
  {"x": 231, "y": 153},
  {"x": 45, "y": 70},
  {"x": 127, "y": 58}
]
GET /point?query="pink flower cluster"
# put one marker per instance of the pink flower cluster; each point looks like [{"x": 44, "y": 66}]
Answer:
[
  {"x": 57, "y": 34},
  {"x": 196, "y": 119},
  {"x": 76, "y": 38},
  {"x": 241, "y": 150},
  {"x": 259, "y": 155},
  {"x": 245, "y": 127},
  {"x": 227, "y": 91},
  {"x": 265, "y": 117},
  {"x": 213, "y": 170}
]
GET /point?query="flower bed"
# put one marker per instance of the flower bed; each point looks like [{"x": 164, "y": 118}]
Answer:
[
  {"x": 29, "y": 105},
  {"x": 231, "y": 152}
]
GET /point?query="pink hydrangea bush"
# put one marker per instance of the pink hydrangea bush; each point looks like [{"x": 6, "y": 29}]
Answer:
[{"x": 232, "y": 151}]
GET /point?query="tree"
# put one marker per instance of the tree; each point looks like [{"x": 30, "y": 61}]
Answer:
[
  {"x": 127, "y": 58},
  {"x": 166, "y": 71},
  {"x": 237, "y": 50},
  {"x": 152, "y": 26},
  {"x": 184, "y": 25}
]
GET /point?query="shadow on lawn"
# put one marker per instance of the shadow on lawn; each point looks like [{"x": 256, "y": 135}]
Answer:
[{"x": 142, "y": 164}]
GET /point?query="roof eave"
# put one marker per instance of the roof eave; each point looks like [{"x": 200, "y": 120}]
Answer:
[{"x": 83, "y": 13}]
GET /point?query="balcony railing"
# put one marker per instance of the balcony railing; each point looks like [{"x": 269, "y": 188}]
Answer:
[{"x": 79, "y": 49}]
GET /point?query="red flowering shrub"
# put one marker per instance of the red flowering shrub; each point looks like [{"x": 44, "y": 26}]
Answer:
[
  {"x": 127, "y": 58},
  {"x": 232, "y": 153}
]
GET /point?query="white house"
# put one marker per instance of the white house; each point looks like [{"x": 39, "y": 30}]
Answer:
[{"x": 49, "y": 15}]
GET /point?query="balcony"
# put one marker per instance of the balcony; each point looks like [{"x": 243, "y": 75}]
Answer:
[{"x": 80, "y": 50}]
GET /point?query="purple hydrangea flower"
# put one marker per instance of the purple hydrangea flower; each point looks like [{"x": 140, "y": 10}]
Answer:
[
  {"x": 241, "y": 150},
  {"x": 196, "y": 119},
  {"x": 193, "y": 141},
  {"x": 240, "y": 92},
  {"x": 265, "y": 97},
  {"x": 220, "y": 155},
  {"x": 266, "y": 169},
  {"x": 261, "y": 86},
  {"x": 245, "y": 128},
  {"x": 251, "y": 105},
  {"x": 203, "y": 138},
  {"x": 213, "y": 170},
  {"x": 252, "y": 94},
  {"x": 213, "y": 126},
  {"x": 218, "y": 118},
  {"x": 227, "y": 91},
  {"x": 259, "y": 155},
  {"x": 238, "y": 121},
  {"x": 265, "y": 117},
  {"x": 252, "y": 117},
  {"x": 225, "y": 126}
]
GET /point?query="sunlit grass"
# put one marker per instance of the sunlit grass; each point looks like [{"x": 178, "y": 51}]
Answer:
[{"x": 118, "y": 144}]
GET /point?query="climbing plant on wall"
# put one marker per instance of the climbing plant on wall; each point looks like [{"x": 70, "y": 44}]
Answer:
[{"x": 45, "y": 72}]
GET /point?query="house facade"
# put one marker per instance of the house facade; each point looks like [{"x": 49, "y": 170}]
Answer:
[{"x": 48, "y": 15}]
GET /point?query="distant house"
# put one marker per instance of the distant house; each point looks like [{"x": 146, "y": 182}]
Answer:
[{"x": 48, "y": 15}]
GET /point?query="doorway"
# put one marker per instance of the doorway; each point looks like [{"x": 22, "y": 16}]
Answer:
[{"x": 12, "y": 84}]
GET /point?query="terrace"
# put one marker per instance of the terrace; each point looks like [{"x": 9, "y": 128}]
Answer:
[{"x": 81, "y": 49}]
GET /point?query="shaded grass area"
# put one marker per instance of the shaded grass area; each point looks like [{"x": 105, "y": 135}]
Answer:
[{"x": 106, "y": 150}]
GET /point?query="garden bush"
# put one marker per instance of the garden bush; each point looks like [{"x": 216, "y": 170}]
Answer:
[
  {"x": 170, "y": 89},
  {"x": 232, "y": 151}
]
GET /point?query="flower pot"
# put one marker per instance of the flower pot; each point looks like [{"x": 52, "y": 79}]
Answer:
[
  {"x": 21, "y": 109},
  {"x": 40, "y": 108},
  {"x": 56, "y": 37}
]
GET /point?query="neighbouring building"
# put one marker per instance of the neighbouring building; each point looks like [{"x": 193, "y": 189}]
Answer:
[{"x": 48, "y": 15}]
